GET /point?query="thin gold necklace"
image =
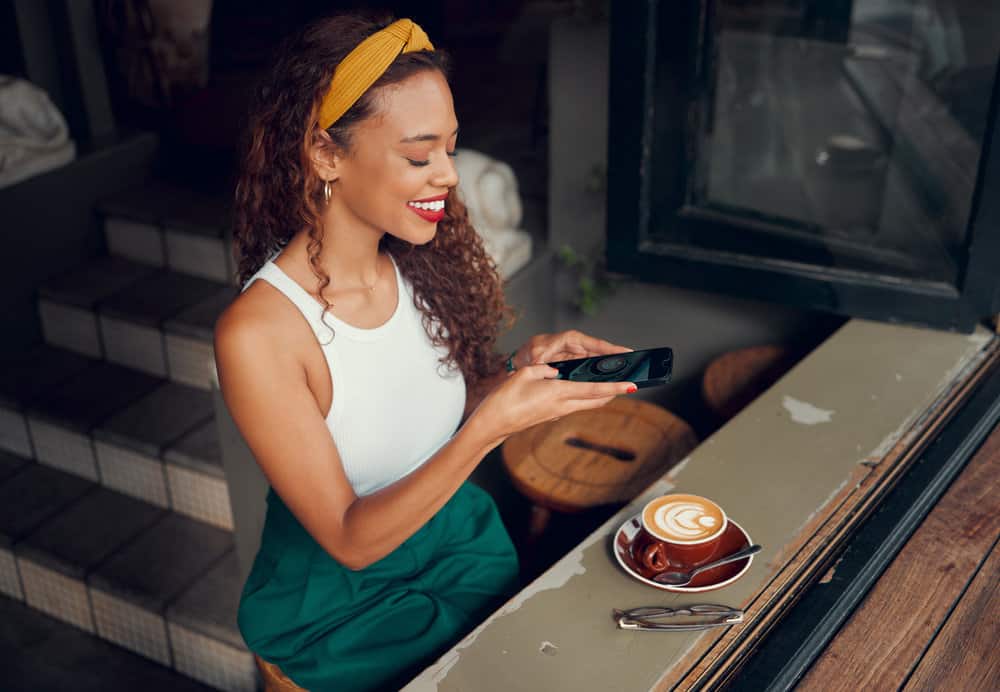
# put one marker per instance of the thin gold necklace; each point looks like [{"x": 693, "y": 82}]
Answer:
[
  {"x": 371, "y": 288},
  {"x": 375, "y": 282}
]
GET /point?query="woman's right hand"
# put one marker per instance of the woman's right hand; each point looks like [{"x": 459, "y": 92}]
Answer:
[{"x": 532, "y": 395}]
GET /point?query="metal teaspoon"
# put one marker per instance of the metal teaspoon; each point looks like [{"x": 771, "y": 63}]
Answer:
[{"x": 682, "y": 578}]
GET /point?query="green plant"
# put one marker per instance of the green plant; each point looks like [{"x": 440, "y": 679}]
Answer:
[{"x": 592, "y": 282}]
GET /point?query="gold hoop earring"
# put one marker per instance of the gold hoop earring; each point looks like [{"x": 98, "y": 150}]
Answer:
[{"x": 326, "y": 191}]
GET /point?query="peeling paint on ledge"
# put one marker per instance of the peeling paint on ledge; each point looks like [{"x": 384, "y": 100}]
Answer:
[
  {"x": 980, "y": 337},
  {"x": 806, "y": 413},
  {"x": 683, "y": 655},
  {"x": 821, "y": 507},
  {"x": 672, "y": 474},
  {"x": 554, "y": 578},
  {"x": 959, "y": 371}
]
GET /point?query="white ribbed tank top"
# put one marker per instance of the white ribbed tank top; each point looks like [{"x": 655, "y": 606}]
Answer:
[{"x": 394, "y": 404}]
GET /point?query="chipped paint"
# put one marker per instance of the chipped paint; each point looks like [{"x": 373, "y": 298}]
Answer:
[
  {"x": 958, "y": 372},
  {"x": 828, "y": 577},
  {"x": 555, "y": 577},
  {"x": 889, "y": 441},
  {"x": 683, "y": 654},
  {"x": 981, "y": 336},
  {"x": 548, "y": 648},
  {"x": 806, "y": 413},
  {"x": 899, "y": 378},
  {"x": 674, "y": 471},
  {"x": 821, "y": 507}
]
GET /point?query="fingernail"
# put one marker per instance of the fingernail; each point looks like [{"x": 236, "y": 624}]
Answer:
[{"x": 632, "y": 388}]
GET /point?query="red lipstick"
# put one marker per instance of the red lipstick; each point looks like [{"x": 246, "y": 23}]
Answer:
[{"x": 434, "y": 213}]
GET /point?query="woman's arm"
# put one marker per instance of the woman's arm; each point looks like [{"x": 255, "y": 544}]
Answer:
[
  {"x": 264, "y": 383},
  {"x": 265, "y": 388},
  {"x": 475, "y": 395}
]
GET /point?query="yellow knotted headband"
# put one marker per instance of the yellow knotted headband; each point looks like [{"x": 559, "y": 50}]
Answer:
[{"x": 365, "y": 64}]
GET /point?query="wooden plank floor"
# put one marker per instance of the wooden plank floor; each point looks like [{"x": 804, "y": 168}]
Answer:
[{"x": 933, "y": 619}]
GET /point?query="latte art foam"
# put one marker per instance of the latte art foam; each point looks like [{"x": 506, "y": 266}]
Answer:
[{"x": 684, "y": 518}]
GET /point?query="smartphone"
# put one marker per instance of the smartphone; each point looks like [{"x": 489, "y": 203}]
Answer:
[{"x": 646, "y": 368}]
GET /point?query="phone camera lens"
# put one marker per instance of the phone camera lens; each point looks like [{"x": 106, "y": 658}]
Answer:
[{"x": 611, "y": 364}]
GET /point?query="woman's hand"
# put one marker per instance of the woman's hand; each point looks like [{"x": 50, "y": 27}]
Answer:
[
  {"x": 532, "y": 395},
  {"x": 549, "y": 348}
]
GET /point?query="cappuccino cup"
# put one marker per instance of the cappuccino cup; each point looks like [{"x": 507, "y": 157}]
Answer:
[{"x": 679, "y": 532}]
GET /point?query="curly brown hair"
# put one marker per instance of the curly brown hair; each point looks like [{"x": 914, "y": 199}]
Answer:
[{"x": 456, "y": 284}]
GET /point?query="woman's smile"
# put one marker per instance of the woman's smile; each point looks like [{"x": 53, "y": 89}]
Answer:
[{"x": 429, "y": 209}]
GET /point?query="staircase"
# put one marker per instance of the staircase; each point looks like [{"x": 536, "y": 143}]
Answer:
[{"x": 114, "y": 509}]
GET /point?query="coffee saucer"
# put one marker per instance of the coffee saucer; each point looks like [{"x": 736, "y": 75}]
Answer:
[{"x": 733, "y": 539}]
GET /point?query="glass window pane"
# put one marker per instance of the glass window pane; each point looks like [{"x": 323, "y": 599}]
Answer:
[{"x": 842, "y": 133}]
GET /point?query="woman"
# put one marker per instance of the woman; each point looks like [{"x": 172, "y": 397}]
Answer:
[{"x": 361, "y": 370}]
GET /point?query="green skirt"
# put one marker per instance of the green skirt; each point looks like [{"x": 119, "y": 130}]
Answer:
[{"x": 331, "y": 628}]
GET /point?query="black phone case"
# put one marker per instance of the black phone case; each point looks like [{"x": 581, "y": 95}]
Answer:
[{"x": 620, "y": 367}]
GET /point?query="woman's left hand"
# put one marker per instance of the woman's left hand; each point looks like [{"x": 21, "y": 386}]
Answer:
[{"x": 548, "y": 348}]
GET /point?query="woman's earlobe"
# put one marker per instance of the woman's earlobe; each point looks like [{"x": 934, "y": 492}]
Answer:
[{"x": 323, "y": 156}]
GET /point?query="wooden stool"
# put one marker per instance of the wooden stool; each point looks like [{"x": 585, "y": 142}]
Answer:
[
  {"x": 734, "y": 379},
  {"x": 594, "y": 457},
  {"x": 274, "y": 679}
]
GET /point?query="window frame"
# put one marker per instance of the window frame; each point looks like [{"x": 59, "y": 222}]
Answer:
[{"x": 666, "y": 115}]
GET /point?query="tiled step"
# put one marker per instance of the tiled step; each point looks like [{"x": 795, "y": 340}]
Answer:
[
  {"x": 42, "y": 653},
  {"x": 132, "y": 320},
  {"x": 11, "y": 464},
  {"x": 204, "y": 637},
  {"x": 61, "y": 422},
  {"x": 132, "y": 432},
  {"x": 165, "y": 225},
  {"x": 196, "y": 479},
  {"x": 25, "y": 378},
  {"x": 131, "y": 590},
  {"x": 149, "y": 580},
  {"x": 68, "y": 304},
  {"x": 157, "y": 321},
  {"x": 27, "y": 498},
  {"x": 54, "y": 560},
  {"x": 132, "y": 453},
  {"x": 189, "y": 337}
]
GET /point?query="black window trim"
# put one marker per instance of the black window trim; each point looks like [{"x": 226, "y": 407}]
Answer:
[{"x": 632, "y": 113}]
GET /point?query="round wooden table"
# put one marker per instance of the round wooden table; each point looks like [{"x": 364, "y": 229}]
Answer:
[{"x": 594, "y": 457}]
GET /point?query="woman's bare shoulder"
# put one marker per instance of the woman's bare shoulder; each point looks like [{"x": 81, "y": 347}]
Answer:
[{"x": 259, "y": 318}]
